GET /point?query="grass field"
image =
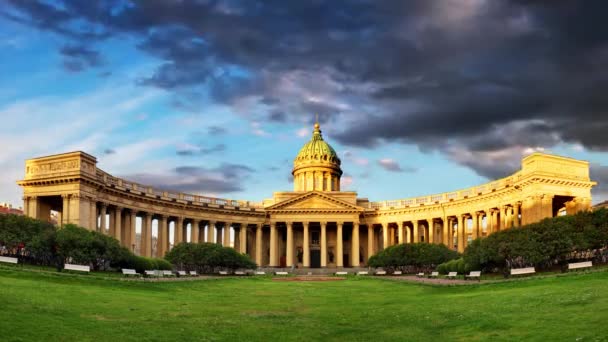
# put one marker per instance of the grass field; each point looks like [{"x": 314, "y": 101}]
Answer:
[{"x": 45, "y": 307}]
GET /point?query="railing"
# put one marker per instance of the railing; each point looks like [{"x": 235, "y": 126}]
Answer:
[
  {"x": 131, "y": 186},
  {"x": 449, "y": 196}
]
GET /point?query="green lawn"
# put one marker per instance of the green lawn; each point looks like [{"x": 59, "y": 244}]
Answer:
[{"x": 43, "y": 307}]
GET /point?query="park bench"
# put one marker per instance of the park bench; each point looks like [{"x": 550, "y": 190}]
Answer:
[
  {"x": 362, "y": 273},
  {"x": 397, "y": 273},
  {"x": 151, "y": 273},
  {"x": 420, "y": 275},
  {"x": 452, "y": 275},
  {"x": 9, "y": 260},
  {"x": 473, "y": 274},
  {"x": 193, "y": 273},
  {"x": 260, "y": 273},
  {"x": 223, "y": 273},
  {"x": 281, "y": 273},
  {"x": 380, "y": 273},
  {"x": 579, "y": 265},
  {"x": 522, "y": 271},
  {"x": 434, "y": 275},
  {"x": 166, "y": 273},
  {"x": 341, "y": 273},
  {"x": 79, "y": 268},
  {"x": 182, "y": 273},
  {"x": 240, "y": 273},
  {"x": 128, "y": 272}
]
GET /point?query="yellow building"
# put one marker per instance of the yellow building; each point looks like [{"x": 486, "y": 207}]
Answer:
[{"x": 316, "y": 224}]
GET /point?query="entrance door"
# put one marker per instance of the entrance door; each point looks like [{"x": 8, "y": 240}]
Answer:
[{"x": 315, "y": 258}]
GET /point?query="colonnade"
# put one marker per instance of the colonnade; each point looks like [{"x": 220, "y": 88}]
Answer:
[{"x": 121, "y": 223}]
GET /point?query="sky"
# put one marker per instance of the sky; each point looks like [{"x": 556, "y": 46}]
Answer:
[{"x": 217, "y": 97}]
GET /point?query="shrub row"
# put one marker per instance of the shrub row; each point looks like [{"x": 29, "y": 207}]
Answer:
[
  {"x": 412, "y": 258},
  {"x": 207, "y": 257},
  {"x": 547, "y": 244},
  {"x": 42, "y": 243},
  {"x": 456, "y": 265}
]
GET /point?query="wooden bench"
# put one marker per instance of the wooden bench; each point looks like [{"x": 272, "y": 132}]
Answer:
[
  {"x": 522, "y": 271},
  {"x": 182, "y": 273},
  {"x": 9, "y": 260},
  {"x": 260, "y": 273},
  {"x": 397, "y": 273},
  {"x": 240, "y": 273},
  {"x": 151, "y": 273},
  {"x": 166, "y": 273},
  {"x": 579, "y": 265},
  {"x": 129, "y": 272},
  {"x": 380, "y": 273},
  {"x": 452, "y": 275},
  {"x": 362, "y": 273},
  {"x": 434, "y": 275},
  {"x": 223, "y": 273},
  {"x": 281, "y": 273},
  {"x": 341, "y": 273},
  {"x": 193, "y": 274},
  {"x": 79, "y": 268},
  {"x": 473, "y": 274},
  {"x": 420, "y": 275}
]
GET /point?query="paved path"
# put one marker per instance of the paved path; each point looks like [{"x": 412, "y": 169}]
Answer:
[{"x": 437, "y": 281}]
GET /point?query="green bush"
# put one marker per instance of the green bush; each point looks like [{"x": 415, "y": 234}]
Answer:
[
  {"x": 39, "y": 242},
  {"x": 207, "y": 257},
  {"x": 412, "y": 258},
  {"x": 544, "y": 245},
  {"x": 456, "y": 265}
]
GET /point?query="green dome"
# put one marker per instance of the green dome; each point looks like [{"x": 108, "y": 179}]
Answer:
[{"x": 317, "y": 150}]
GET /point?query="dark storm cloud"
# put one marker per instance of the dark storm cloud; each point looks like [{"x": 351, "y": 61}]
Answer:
[
  {"x": 77, "y": 58},
  {"x": 479, "y": 81},
  {"x": 393, "y": 166},
  {"x": 226, "y": 178}
]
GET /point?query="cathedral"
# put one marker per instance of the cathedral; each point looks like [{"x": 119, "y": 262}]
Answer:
[{"x": 314, "y": 226}]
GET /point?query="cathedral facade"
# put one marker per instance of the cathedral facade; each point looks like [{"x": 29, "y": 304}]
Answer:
[{"x": 314, "y": 226}]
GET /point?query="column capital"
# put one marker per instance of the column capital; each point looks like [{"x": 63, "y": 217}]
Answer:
[{"x": 340, "y": 223}]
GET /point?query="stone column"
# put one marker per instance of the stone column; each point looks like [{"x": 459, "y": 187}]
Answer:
[
  {"x": 178, "y": 237},
  {"x": 243, "y": 238},
  {"x": 26, "y": 206},
  {"x": 102, "y": 220},
  {"x": 370, "y": 240},
  {"x": 400, "y": 237},
  {"x": 384, "y": 235},
  {"x": 163, "y": 236},
  {"x": 211, "y": 232},
  {"x": 274, "y": 262},
  {"x": 133, "y": 231},
  {"x": 65, "y": 211},
  {"x": 354, "y": 253},
  {"x": 92, "y": 215},
  {"x": 258, "y": 244},
  {"x": 227, "y": 234},
  {"x": 289, "y": 249},
  {"x": 489, "y": 227},
  {"x": 306, "y": 246},
  {"x": 431, "y": 237},
  {"x": 194, "y": 231},
  {"x": 339, "y": 245},
  {"x": 461, "y": 232},
  {"x": 475, "y": 217},
  {"x": 148, "y": 235},
  {"x": 516, "y": 222},
  {"x": 118, "y": 223},
  {"x": 416, "y": 232},
  {"x": 323, "y": 244},
  {"x": 495, "y": 225},
  {"x": 547, "y": 207},
  {"x": 446, "y": 225}
]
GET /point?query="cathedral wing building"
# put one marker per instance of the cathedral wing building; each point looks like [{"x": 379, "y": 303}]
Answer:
[{"x": 316, "y": 224}]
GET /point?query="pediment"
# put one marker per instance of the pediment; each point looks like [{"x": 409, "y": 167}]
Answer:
[{"x": 315, "y": 201}]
